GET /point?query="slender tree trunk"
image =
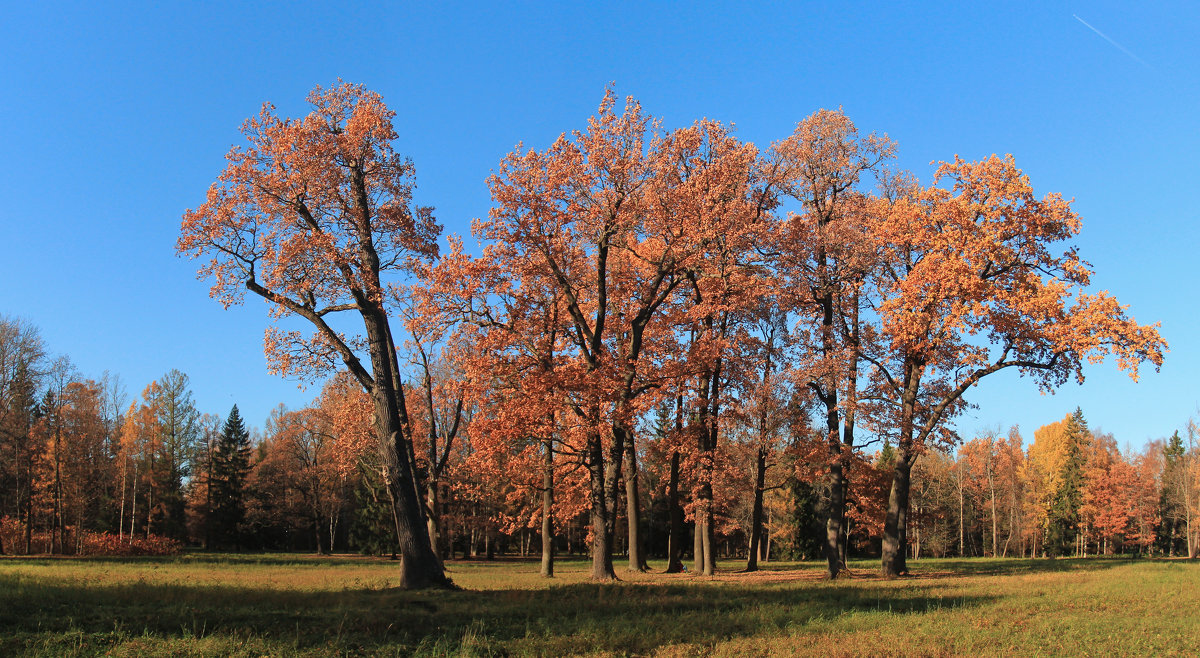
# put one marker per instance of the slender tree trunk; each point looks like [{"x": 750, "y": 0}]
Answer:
[
  {"x": 698, "y": 545},
  {"x": 121, "y": 514},
  {"x": 633, "y": 513},
  {"x": 473, "y": 540},
  {"x": 57, "y": 527},
  {"x": 133, "y": 504},
  {"x": 150, "y": 500},
  {"x": 208, "y": 500},
  {"x": 962, "y": 542},
  {"x": 433, "y": 509},
  {"x": 709, "y": 433},
  {"x": 764, "y": 553},
  {"x": 1187, "y": 497},
  {"x": 548, "y": 507},
  {"x": 756, "y": 515}
]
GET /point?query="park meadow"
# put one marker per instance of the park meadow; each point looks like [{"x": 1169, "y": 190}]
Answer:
[
  {"x": 671, "y": 343},
  {"x": 299, "y": 605}
]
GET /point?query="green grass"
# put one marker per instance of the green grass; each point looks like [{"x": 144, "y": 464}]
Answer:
[{"x": 296, "y": 605}]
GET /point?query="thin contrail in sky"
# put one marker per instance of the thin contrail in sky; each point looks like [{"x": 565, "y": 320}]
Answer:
[{"x": 1119, "y": 46}]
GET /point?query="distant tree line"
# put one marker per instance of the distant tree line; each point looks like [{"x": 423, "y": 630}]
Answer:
[{"x": 84, "y": 470}]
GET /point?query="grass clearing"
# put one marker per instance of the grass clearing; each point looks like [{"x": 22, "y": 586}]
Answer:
[{"x": 202, "y": 604}]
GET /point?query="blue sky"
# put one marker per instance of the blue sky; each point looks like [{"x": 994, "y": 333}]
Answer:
[{"x": 116, "y": 118}]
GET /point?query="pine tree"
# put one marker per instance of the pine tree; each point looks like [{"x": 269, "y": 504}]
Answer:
[
  {"x": 230, "y": 466},
  {"x": 1068, "y": 496}
]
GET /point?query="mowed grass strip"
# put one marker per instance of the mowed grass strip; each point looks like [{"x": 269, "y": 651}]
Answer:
[{"x": 204, "y": 604}]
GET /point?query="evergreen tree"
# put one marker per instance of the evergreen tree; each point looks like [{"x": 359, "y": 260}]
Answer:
[
  {"x": 178, "y": 430},
  {"x": 1068, "y": 496},
  {"x": 230, "y": 466},
  {"x": 1173, "y": 517},
  {"x": 808, "y": 521},
  {"x": 372, "y": 531}
]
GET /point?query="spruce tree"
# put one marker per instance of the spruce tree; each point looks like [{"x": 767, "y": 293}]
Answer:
[
  {"x": 1068, "y": 496},
  {"x": 1172, "y": 534},
  {"x": 230, "y": 466}
]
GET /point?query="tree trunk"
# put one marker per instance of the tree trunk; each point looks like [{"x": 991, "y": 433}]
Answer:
[
  {"x": 433, "y": 515},
  {"x": 548, "y": 508},
  {"x": 709, "y": 545},
  {"x": 677, "y": 537},
  {"x": 633, "y": 513},
  {"x": 995, "y": 527},
  {"x": 756, "y": 516},
  {"x": 420, "y": 566},
  {"x": 764, "y": 553},
  {"x": 837, "y": 509},
  {"x": 962, "y": 542},
  {"x": 895, "y": 525},
  {"x": 698, "y": 545},
  {"x": 602, "y": 530}
]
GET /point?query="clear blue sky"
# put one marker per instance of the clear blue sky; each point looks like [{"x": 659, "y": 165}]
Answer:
[{"x": 116, "y": 117}]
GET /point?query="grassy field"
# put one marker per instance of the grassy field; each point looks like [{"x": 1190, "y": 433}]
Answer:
[{"x": 296, "y": 605}]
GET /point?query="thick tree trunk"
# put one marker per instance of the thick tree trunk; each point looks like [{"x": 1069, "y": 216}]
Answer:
[
  {"x": 677, "y": 536},
  {"x": 895, "y": 525},
  {"x": 420, "y": 566},
  {"x": 756, "y": 515},
  {"x": 835, "y": 523},
  {"x": 698, "y": 544},
  {"x": 548, "y": 508},
  {"x": 602, "y": 529}
]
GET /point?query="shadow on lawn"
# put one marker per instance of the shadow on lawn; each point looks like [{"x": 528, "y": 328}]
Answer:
[
  {"x": 564, "y": 619},
  {"x": 966, "y": 567}
]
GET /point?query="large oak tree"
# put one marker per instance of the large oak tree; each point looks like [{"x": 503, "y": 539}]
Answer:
[
  {"x": 315, "y": 215},
  {"x": 973, "y": 280}
]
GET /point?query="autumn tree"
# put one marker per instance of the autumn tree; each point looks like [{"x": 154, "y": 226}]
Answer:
[
  {"x": 764, "y": 409},
  {"x": 23, "y": 360},
  {"x": 440, "y": 400},
  {"x": 315, "y": 215},
  {"x": 970, "y": 284},
  {"x": 605, "y": 220},
  {"x": 1175, "y": 507},
  {"x": 936, "y": 505},
  {"x": 825, "y": 257},
  {"x": 993, "y": 478},
  {"x": 1145, "y": 498},
  {"x": 1066, "y": 496},
  {"x": 1107, "y": 496}
]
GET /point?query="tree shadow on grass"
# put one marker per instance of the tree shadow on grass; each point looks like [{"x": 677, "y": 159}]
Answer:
[
  {"x": 621, "y": 617},
  {"x": 966, "y": 567}
]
